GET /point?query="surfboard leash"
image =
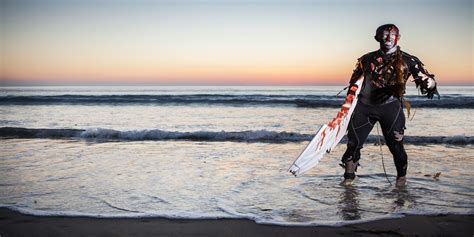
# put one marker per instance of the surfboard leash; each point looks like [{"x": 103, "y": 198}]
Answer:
[
  {"x": 381, "y": 153},
  {"x": 345, "y": 88}
]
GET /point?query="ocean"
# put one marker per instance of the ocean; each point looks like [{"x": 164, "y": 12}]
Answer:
[{"x": 222, "y": 152}]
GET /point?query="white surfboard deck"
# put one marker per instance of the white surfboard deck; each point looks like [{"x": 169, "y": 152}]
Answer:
[{"x": 329, "y": 135}]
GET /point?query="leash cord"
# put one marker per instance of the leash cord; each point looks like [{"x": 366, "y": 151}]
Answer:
[{"x": 381, "y": 153}]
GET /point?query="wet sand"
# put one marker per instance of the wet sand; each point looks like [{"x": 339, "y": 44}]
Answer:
[{"x": 16, "y": 224}]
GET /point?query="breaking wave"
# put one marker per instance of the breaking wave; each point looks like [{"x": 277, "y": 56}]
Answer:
[
  {"x": 306, "y": 101},
  {"x": 101, "y": 134}
]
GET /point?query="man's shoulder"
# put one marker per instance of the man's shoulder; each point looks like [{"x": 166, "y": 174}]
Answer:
[
  {"x": 368, "y": 55},
  {"x": 410, "y": 58}
]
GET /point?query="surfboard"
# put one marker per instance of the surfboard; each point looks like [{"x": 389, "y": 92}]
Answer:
[{"x": 329, "y": 135}]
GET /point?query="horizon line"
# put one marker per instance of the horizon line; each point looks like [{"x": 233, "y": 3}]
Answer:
[{"x": 194, "y": 85}]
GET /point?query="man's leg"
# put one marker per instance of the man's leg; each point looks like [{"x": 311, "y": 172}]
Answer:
[
  {"x": 393, "y": 126},
  {"x": 358, "y": 130}
]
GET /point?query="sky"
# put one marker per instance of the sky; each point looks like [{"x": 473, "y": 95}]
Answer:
[{"x": 292, "y": 42}]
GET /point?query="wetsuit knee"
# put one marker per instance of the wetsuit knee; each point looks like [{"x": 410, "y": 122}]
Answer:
[
  {"x": 352, "y": 153},
  {"x": 399, "y": 156},
  {"x": 396, "y": 148}
]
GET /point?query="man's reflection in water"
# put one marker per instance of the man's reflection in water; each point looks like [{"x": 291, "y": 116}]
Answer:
[
  {"x": 349, "y": 204},
  {"x": 403, "y": 198}
]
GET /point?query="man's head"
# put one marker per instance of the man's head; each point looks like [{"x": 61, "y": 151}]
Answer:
[{"x": 387, "y": 35}]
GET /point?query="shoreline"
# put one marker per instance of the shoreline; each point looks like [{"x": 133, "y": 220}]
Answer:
[{"x": 13, "y": 223}]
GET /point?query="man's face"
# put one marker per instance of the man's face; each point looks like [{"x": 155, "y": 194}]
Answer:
[{"x": 389, "y": 38}]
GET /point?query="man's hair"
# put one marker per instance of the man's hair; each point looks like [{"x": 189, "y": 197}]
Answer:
[{"x": 382, "y": 28}]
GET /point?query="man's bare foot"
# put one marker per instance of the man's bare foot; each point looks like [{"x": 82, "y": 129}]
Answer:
[
  {"x": 349, "y": 179},
  {"x": 401, "y": 182},
  {"x": 348, "y": 182}
]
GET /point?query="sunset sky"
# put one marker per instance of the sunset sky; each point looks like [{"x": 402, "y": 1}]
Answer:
[{"x": 102, "y": 42}]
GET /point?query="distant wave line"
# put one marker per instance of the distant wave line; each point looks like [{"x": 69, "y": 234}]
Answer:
[
  {"x": 306, "y": 101},
  {"x": 101, "y": 134}
]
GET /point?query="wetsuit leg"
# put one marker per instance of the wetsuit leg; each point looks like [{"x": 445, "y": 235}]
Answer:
[
  {"x": 392, "y": 121},
  {"x": 359, "y": 128}
]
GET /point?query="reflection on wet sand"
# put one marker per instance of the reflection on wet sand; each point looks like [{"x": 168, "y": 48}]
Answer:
[
  {"x": 349, "y": 204},
  {"x": 403, "y": 199}
]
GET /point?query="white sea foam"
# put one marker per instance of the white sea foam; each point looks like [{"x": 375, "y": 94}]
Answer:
[
  {"x": 228, "y": 214},
  {"x": 168, "y": 215}
]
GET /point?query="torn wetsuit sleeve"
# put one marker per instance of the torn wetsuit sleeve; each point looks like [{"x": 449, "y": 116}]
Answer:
[{"x": 421, "y": 76}]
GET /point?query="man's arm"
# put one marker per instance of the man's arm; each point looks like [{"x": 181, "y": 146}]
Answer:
[
  {"x": 422, "y": 78},
  {"x": 356, "y": 74},
  {"x": 358, "y": 71}
]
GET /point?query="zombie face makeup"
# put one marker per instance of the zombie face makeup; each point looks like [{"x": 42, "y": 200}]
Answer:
[{"x": 389, "y": 40}]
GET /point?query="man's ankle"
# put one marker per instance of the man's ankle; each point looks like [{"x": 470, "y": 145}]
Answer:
[
  {"x": 349, "y": 175},
  {"x": 401, "y": 181}
]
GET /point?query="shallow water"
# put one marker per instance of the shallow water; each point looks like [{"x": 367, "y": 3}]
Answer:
[
  {"x": 225, "y": 179},
  {"x": 220, "y": 160}
]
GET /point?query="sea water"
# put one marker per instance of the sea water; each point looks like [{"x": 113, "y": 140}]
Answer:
[{"x": 222, "y": 152}]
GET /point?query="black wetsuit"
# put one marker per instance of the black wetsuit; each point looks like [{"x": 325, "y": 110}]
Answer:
[{"x": 380, "y": 100}]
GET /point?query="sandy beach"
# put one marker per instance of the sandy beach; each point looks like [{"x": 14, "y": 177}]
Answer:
[{"x": 16, "y": 224}]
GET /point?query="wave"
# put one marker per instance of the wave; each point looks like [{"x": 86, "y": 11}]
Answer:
[
  {"x": 101, "y": 134},
  {"x": 306, "y": 101}
]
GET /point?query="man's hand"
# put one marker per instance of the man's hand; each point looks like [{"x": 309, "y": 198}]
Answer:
[
  {"x": 428, "y": 87},
  {"x": 431, "y": 93},
  {"x": 430, "y": 83}
]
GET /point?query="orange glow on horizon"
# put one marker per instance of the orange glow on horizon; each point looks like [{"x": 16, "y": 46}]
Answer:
[
  {"x": 214, "y": 43},
  {"x": 207, "y": 74},
  {"x": 225, "y": 74}
]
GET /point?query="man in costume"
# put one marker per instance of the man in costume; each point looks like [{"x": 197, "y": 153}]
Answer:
[{"x": 385, "y": 73}]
